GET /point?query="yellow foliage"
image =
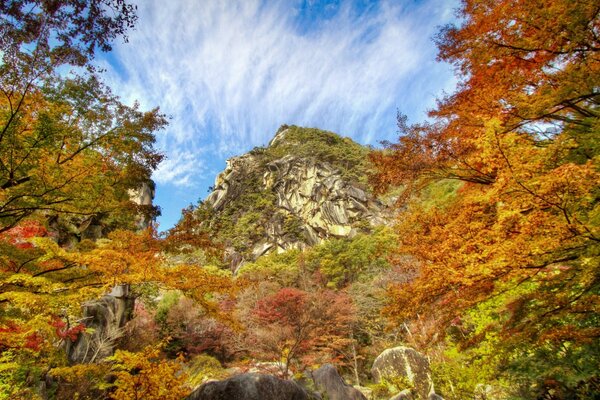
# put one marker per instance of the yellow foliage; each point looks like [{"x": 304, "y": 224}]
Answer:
[{"x": 145, "y": 375}]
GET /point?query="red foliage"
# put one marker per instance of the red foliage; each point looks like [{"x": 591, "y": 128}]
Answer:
[
  {"x": 34, "y": 341},
  {"x": 301, "y": 328},
  {"x": 19, "y": 234},
  {"x": 63, "y": 331},
  {"x": 13, "y": 335},
  {"x": 284, "y": 307}
]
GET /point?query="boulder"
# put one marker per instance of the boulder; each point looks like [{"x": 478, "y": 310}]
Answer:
[
  {"x": 403, "y": 395},
  {"x": 250, "y": 387},
  {"x": 405, "y": 362},
  {"x": 434, "y": 396},
  {"x": 367, "y": 392},
  {"x": 329, "y": 381}
]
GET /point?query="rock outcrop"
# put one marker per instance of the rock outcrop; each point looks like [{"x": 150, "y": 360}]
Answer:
[
  {"x": 328, "y": 380},
  {"x": 408, "y": 363},
  {"x": 292, "y": 195},
  {"x": 143, "y": 196},
  {"x": 250, "y": 387},
  {"x": 106, "y": 317}
]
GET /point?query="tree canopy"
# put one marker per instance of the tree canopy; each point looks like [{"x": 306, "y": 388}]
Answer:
[{"x": 521, "y": 134}]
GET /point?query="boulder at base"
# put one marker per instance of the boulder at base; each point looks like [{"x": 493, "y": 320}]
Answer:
[
  {"x": 403, "y": 395},
  {"x": 329, "y": 381},
  {"x": 250, "y": 387},
  {"x": 405, "y": 362}
]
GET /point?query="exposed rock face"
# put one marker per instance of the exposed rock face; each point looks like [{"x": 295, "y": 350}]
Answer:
[
  {"x": 69, "y": 230},
  {"x": 143, "y": 196},
  {"x": 406, "y": 362},
  {"x": 315, "y": 192},
  {"x": 309, "y": 198},
  {"x": 250, "y": 387},
  {"x": 107, "y": 317},
  {"x": 329, "y": 381}
]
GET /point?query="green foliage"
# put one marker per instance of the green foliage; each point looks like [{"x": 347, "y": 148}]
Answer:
[
  {"x": 346, "y": 260},
  {"x": 479, "y": 351},
  {"x": 390, "y": 386},
  {"x": 16, "y": 374},
  {"x": 280, "y": 266},
  {"x": 439, "y": 193},
  {"x": 202, "y": 368},
  {"x": 168, "y": 300},
  {"x": 341, "y": 152},
  {"x": 340, "y": 261}
]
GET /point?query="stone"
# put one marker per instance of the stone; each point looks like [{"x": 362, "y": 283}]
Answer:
[
  {"x": 434, "y": 396},
  {"x": 329, "y": 381},
  {"x": 251, "y": 387},
  {"x": 406, "y": 394},
  {"x": 310, "y": 190},
  {"x": 106, "y": 317},
  {"x": 405, "y": 362},
  {"x": 367, "y": 392},
  {"x": 143, "y": 195}
]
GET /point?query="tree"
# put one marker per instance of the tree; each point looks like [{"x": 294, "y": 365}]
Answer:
[
  {"x": 73, "y": 148},
  {"x": 145, "y": 375},
  {"x": 67, "y": 145},
  {"x": 292, "y": 326},
  {"x": 43, "y": 285},
  {"x": 520, "y": 133},
  {"x": 39, "y": 36}
]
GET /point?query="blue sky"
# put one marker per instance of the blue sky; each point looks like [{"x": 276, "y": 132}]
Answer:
[{"x": 229, "y": 73}]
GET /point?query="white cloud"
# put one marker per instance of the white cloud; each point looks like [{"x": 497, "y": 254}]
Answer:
[
  {"x": 178, "y": 169},
  {"x": 229, "y": 73}
]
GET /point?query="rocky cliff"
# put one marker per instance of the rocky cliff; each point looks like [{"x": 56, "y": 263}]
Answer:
[{"x": 306, "y": 186}]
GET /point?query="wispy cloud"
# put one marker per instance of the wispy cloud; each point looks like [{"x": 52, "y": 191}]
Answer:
[
  {"x": 178, "y": 169},
  {"x": 229, "y": 73}
]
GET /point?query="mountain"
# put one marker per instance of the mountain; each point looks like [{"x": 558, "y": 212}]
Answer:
[{"x": 306, "y": 186}]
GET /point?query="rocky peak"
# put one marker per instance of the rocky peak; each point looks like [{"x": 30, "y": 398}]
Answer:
[{"x": 305, "y": 187}]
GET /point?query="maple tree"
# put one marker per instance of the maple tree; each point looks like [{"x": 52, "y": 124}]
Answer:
[
  {"x": 292, "y": 326},
  {"x": 521, "y": 134}
]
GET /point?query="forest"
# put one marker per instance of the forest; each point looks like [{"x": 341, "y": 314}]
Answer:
[{"x": 489, "y": 263}]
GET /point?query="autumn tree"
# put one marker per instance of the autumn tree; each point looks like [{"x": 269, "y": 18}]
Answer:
[
  {"x": 295, "y": 327},
  {"x": 69, "y": 148},
  {"x": 43, "y": 285},
  {"x": 67, "y": 144},
  {"x": 521, "y": 135},
  {"x": 145, "y": 375}
]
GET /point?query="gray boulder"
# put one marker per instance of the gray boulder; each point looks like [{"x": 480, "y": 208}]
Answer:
[
  {"x": 404, "y": 362},
  {"x": 250, "y": 387},
  {"x": 329, "y": 381}
]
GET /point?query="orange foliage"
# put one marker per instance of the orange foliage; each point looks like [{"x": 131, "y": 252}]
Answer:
[{"x": 521, "y": 135}]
